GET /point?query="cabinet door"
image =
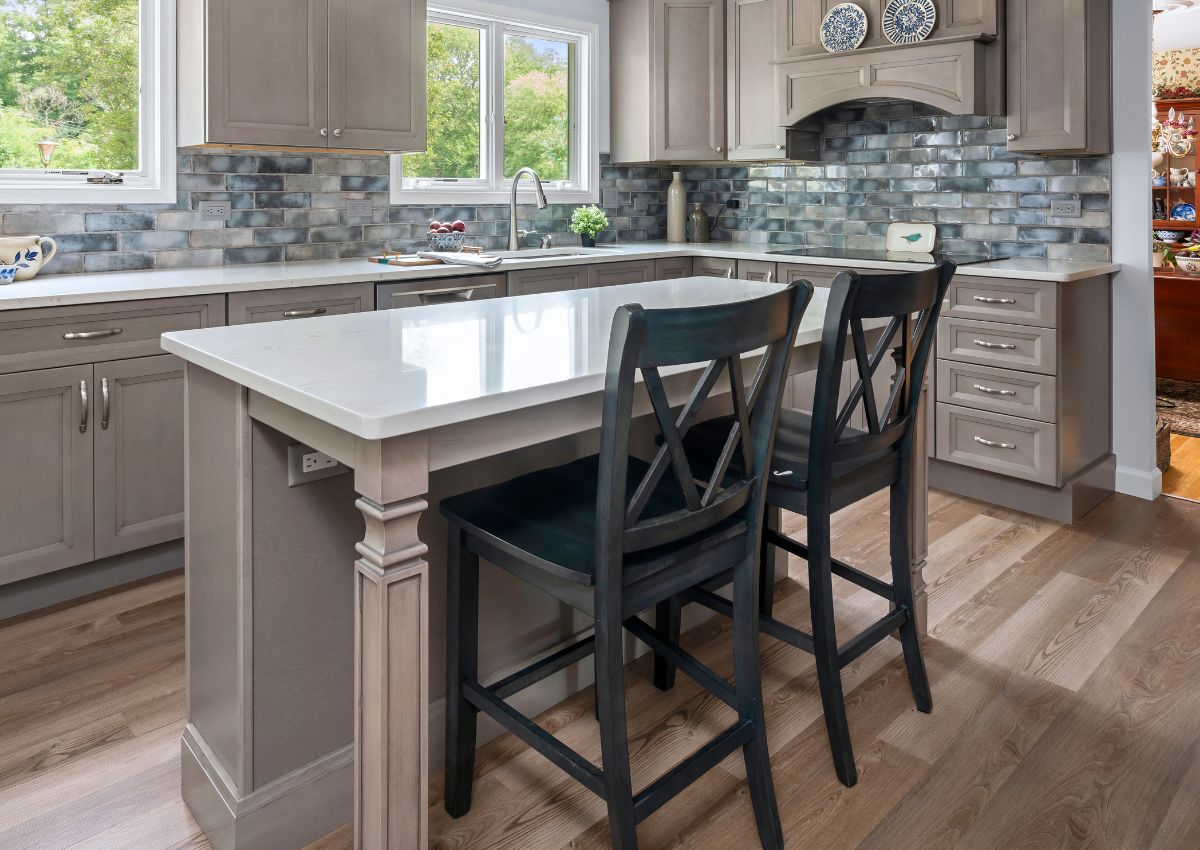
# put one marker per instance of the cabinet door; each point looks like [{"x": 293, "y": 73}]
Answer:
[
  {"x": 268, "y": 72},
  {"x": 818, "y": 276},
  {"x": 377, "y": 74},
  {"x": 534, "y": 281},
  {"x": 754, "y": 131},
  {"x": 713, "y": 267},
  {"x": 137, "y": 420},
  {"x": 670, "y": 268},
  {"x": 1058, "y": 80},
  {"x": 798, "y": 27},
  {"x": 689, "y": 73},
  {"x": 611, "y": 274},
  {"x": 757, "y": 270},
  {"x": 46, "y": 471}
]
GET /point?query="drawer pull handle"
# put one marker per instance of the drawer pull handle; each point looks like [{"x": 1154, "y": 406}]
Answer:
[
  {"x": 991, "y": 391},
  {"x": 993, "y": 445},
  {"x": 104, "y": 404},
  {"x": 984, "y": 300},
  {"x": 83, "y": 401},
  {"x": 305, "y": 312},
  {"x": 1007, "y": 346},
  {"x": 91, "y": 334}
]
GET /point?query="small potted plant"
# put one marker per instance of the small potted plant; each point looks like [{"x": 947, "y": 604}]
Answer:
[
  {"x": 587, "y": 222},
  {"x": 1164, "y": 254}
]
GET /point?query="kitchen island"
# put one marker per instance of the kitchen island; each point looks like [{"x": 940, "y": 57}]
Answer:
[{"x": 310, "y": 693}]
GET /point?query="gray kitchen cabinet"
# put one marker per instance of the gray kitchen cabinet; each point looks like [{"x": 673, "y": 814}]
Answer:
[
  {"x": 612, "y": 274},
  {"x": 137, "y": 423},
  {"x": 336, "y": 74},
  {"x": 46, "y": 422},
  {"x": 757, "y": 270},
  {"x": 274, "y": 305},
  {"x": 714, "y": 267},
  {"x": 668, "y": 80},
  {"x": 670, "y": 268},
  {"x": 534, "y": 281},
  {"x": 421, "y": 293},
  {"x": 753, "y": 128},
  {"x": 819, "y": 276},
  {"x": 1059, "y": 58}
]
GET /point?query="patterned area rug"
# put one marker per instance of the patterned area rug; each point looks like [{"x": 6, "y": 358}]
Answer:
[{"x": 1179, "y": 404}]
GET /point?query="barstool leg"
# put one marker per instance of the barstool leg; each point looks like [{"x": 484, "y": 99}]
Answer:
[
  {"x": 667, "y": 616},
  {"x": 748, "y": 676},
  {"x": 614, "y": 740},
  {"x": 825, "y": 650},
  {"x": 910, "y": 638},
  {"x": 462, "y": 664}
]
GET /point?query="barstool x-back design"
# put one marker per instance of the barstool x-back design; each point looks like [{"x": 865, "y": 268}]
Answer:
[
  {"x": 821, "y": 464},
  {"x": 613, "y": 535}
]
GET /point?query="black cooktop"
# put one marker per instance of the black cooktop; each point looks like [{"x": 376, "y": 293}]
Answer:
[{"x": 961, "y": 259}]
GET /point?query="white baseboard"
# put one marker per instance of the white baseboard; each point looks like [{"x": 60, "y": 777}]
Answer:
[{"x": 1144, "y": 484}]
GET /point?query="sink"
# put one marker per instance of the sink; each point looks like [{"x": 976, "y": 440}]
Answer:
[{"x": 547, "y": 253}]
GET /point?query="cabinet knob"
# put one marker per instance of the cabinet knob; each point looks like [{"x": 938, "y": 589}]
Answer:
[
  {"x": 779, "y": 147},
  {"x": 337, "y": 134},
  {"x": 718, "y": 148},
  {"x": 1012, "y": 137},
  {"x": 324, "y": 131}
]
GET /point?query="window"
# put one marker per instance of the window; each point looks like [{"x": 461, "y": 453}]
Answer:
[
  {"x": 86, "y": 91},
  {"x": 504, "y": 94}
]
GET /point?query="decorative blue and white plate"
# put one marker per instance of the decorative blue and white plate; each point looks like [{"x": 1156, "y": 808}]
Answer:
[
  {"x": 844, "y": 28},
  {"x": 1183, "y": 212},
  {"x": 908, "y": 21}
]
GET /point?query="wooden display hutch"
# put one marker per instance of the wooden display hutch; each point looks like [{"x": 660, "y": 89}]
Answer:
[{"x": 1176, "y": 294}]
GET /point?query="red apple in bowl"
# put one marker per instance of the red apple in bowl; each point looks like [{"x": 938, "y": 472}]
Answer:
[
  {"x": 444, "y": 229},
  {"x": 459, "y": 226},
  {"x": 434, "y": 225}
]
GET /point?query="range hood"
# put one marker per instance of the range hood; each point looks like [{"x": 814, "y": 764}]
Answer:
[{"x": 960, "y": 77}]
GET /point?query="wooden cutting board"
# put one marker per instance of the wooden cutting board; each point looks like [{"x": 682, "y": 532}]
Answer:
[{"x": 407, "y": 260}]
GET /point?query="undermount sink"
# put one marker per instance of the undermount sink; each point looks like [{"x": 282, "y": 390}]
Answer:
[{"x": 539, "y": 253}]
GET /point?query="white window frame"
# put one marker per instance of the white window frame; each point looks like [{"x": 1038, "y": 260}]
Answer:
[
  {"x": 154, "y": 182},
  {"x": 493, "y": 188}
]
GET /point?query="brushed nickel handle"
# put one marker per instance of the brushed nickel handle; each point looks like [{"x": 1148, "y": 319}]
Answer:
[
  {"x": 443, "y": 296},
  {"x": 991, "y": 391},
  {"x": 729, "y": 273},
  {"x": 91, "y": 334},
  {"x": 1007, "y": 346},
  {"x": 337, "y": 134},
  {"x": 993, "y": 445},
  {"x": 324, "y": 131},
  {"x": 83, "y": 400},
  {"x": 304, "y": 312},
  {"x": 770, "y": 278},
  {"x": 779, "y": 147},
  {"x": 1012, "y": 137},
  {"x": 104, "y": 404},
  {"x": 719, "y": 148},
  {"x": 984, "y": 300}
]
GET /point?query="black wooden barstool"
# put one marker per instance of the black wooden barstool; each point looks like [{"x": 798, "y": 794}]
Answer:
[
  {"x": 612, "y": 535},
  {"x": 821, "y": 465}
]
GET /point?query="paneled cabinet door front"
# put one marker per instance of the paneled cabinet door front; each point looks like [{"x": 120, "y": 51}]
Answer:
[
  {"x": 46, "y": 424},
  {"x": 689, "y": 93},
  {"x": 377, "y": 74},
  {"x": 754, "y": 131},
  {"x": 138, "y": 425},
  {"x": 268, "y": 72}
]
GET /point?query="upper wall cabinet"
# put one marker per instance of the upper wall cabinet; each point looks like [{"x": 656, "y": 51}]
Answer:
[
  {"x": 668, "y": 80},
  {"x": 337, "y": 74},
  {"x": 753, "y": 127},
  {"x": 1059, "y": 56}
]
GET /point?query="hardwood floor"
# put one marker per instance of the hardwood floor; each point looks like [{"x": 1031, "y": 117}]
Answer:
[
  {"x": 1182, "y": 480},
  {"x": 1066, "y": 710}
]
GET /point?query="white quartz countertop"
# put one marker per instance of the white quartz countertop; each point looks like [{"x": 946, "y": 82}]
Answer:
[
  {"x": 393, "y": 372},
  {"x": 58, "y": 290}
]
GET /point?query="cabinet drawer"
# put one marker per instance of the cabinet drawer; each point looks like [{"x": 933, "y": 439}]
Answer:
[
  {"x": 1021, "y": 302},
  {"x": 818, "y": 276},
  {"x": 712, "y": 267},
  {"x": 998, "y": 390},
  {"x": 536, "y": 281},
  {"x": 67, "y": 336},
  {"x": 757, "y": 270},
  {"x": 612, "y": 274},
  {"x": 1007, "y": 445},
  {"x": 275, "y": 305},
  {"x": 421, "y": 293},
  {"x": 672, "y": 268},
  {"x": 1020, "y": 347}
]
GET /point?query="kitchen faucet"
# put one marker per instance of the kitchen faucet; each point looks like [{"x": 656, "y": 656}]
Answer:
[{"x": 514, "y": 236}]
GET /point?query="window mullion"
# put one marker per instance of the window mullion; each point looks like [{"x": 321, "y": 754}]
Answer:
[{"x": 497, "y": 93}]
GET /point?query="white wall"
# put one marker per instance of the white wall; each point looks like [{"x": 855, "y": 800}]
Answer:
[{"x": 1133, "y": 287}]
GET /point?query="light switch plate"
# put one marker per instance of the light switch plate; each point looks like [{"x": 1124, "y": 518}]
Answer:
[
  {"x": 358, "y": 209},
  {"x": 1066, "y": 209},
  {"x": 214, "y": 210}
]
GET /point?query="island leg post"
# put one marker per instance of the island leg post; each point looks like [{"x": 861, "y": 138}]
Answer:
[{"x": 391, "y": 694}]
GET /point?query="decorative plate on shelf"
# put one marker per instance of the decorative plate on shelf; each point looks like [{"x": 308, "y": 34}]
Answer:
[
  {"x": 1183, "y": 212},
  {"x": 844, "y": 28},
  {"x": 908, "y": 21}
]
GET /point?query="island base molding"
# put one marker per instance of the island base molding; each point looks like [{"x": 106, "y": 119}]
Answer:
[
  {"x": 292, "y": 811},
  {"x": 1067, "y": 504}
]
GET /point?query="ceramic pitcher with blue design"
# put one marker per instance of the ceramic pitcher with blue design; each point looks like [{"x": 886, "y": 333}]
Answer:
[{"x": 26, "y": 254}]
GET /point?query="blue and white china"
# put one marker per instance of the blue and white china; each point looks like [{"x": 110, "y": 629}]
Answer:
[
  {"x": 908, "y": 21},
  {"x": 27, "y": 254},
  {"x": 1171, "y": 236},
  {"x": 844, "y": 28},
  {"x": 446, "y": 243},
  {"x": 7, "y": 274},
  {"x": 1183, "y": 212}
]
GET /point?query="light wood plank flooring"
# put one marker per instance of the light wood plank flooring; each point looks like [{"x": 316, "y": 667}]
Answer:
[
  {"x": 1182, "y": 480},
  {"x": 1066, "y": 710}
]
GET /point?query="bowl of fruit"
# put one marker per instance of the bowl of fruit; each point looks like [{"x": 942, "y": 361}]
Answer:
[{"x": 447, "y": 237}]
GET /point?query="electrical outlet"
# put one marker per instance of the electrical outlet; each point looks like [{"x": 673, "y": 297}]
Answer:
[
  {"x": 214, "y": 210},
  {"x": 306, "y": 464},
  {"x": 734, "y": 203},
  {"x": 1066, "y": 209},
  {"x": 358, "y": 209}
]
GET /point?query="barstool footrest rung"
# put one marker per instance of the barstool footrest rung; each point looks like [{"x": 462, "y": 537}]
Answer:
[
  {"x": 544, "y": 667},
  {"x": 689, "y": 664},
  {"x": 839, "y": 568},
  {"x": 662, "y": 790},
  {"x": 767, "y": 625},
  {"x": 870, "y": 636}
]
